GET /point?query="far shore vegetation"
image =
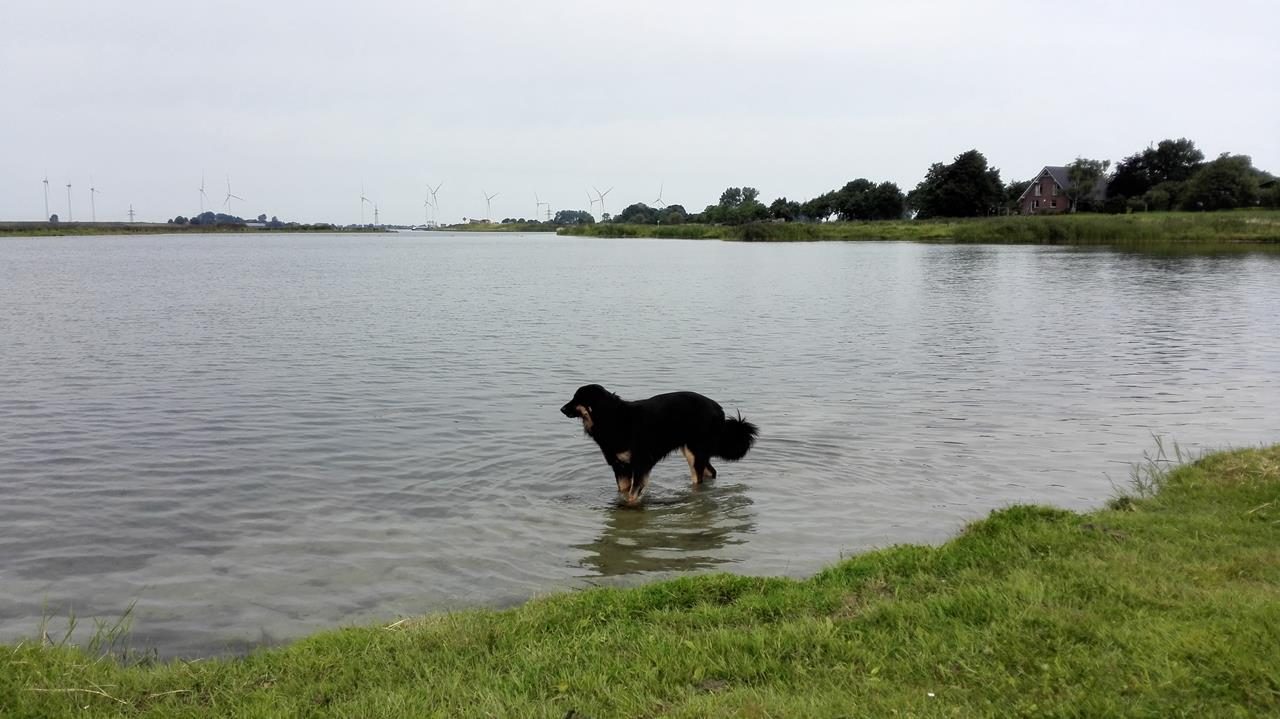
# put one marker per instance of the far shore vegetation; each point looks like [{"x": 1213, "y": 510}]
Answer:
[
  {"x": 1165, "y": 196},
  {"x": 1250, "y": 230},
  {"x": 1163, "y": 603}
]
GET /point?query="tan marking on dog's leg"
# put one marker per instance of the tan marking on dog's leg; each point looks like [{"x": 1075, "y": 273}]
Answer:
[
  {"x": 633, "y": 496},
  {"x": 624, "y": 485},
  {"x": 693, "y": 474}
]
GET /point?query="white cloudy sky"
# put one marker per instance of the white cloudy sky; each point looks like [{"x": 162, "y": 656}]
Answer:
[{"x": 302, "y": 102}]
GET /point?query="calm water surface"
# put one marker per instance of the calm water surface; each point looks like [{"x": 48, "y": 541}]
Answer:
[{"x": 256, "y": 437}]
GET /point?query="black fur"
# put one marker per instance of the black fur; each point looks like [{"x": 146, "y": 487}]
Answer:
[{"x": 635, "y": 436}]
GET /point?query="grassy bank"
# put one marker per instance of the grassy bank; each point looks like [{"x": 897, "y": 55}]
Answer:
[
  {"x": 47, "y": 229},
  {"x": 1164, "y": 604},
  {"x": 1250, "y": 230}
]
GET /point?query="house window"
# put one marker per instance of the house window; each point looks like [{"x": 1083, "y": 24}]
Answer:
[
  {"x": 1037, "y": 189},
  {"x": 1055, "y": 189},
  {"x": 1035, "y": 204},
  {"x": 1053, "y": 203}
]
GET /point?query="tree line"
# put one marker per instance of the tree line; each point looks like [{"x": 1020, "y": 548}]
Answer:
[{"x": 1170, "y": 175}]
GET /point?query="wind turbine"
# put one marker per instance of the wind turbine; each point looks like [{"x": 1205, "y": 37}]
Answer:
[
  {"x": 46, "y": 197},
  {"x": 602, "y": 194},
  {"x": 658, "y": 202},
  {"x": 591, "y": 201},
  {"x": 488, "y": 206},
  {"x": 69, "y": 215},
  {"x": 363, "y": 201},
  {"x": 376, "y": 221},
  {"x": 435, "y": 202},
  {"x": 538, "y": 203},
  {"x": 227, "y": 202},
  {"x": 203, "y": 195},
  {"x": 93, "y": 206}
]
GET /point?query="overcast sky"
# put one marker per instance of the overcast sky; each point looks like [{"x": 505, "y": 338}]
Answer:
[{"x": 301, "y": 103}]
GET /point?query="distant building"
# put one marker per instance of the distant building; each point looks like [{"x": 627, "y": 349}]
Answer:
[{"x": 1048, "y": 192}]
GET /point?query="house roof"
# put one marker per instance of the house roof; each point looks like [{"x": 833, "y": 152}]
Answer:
[{"x": 1059, "y": 175}]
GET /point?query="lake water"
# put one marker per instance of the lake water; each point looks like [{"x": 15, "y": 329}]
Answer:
[{"x": 254, "y": 437}]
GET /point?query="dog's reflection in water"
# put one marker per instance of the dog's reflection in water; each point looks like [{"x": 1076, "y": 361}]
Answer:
[{"x": 691, "y": 530}]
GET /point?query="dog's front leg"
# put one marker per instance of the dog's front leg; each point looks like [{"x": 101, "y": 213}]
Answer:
[
  {"x": 621, "y": 472},
  {"x": 639, "y": 478}
]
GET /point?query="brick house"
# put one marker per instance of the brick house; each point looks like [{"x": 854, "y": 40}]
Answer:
[{"x": 1047, "y": 193}]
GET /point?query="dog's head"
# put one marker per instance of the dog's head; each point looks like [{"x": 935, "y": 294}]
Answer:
[{"x": 586, "y": 402}]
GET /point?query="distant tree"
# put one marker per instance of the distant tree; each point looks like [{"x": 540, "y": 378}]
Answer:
[
  {"x": 862, "y": 199},
  {"x": 1132, "y": 177},
  {"x": 1223, "y": 184},
  {"x": 785, "y": 210},
  {"x": 262, "y": 218},
  {"x": 751, "y": 209},
  {"x": 1084, "y": 176},
  {"x": 849, "y": 202},
  {"x": 53, "y": 219},
  {"x": 674, "y": 215},
  {"x": 1165, "y": 196},
  {"x": 1013, "y": 192},
  {"x": 820, "y": 208},
  {"x": 738, "y": 205},
  {"x": 1173, "y": 160},
  {"x": 1269, "y": 194},
  {"x": 573, "y": 217},
  {"x": 965, "y": 188},
  {"x": 638, "y": 214},
  {"x": 179, "y": 220},
  {"x": 1170, "y": 161},
  {"x": 886, "y": 202},
  {"x": 731, "y": 197}
]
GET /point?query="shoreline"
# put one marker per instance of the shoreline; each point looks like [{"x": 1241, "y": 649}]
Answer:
[
  {"x": 1161, "y": 603},
  {"x": 1251, "y": 230},
  {"x": 82, "y": 229}
]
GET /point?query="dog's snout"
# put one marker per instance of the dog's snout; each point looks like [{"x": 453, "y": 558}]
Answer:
[{"x": 569, "y": 410}]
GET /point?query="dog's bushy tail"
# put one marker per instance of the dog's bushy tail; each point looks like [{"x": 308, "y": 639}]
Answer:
[{"x": 736, "y": 437}]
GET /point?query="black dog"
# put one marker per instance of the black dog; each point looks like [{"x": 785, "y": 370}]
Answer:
[{"x": 634, "y": 436}]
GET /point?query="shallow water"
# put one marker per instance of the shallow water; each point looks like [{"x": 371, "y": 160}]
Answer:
[{"x": 254, "y": 437}]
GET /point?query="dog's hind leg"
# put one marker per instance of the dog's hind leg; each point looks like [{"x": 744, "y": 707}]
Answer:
[
  {"x": 693, "y": 461},
  {"x": 700, "y": 468}
]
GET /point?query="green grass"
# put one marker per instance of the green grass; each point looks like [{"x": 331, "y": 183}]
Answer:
[
  {"x": 1249, "y": 230},
  {"x": 1165, "y": 604}
]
